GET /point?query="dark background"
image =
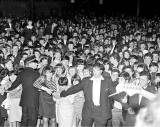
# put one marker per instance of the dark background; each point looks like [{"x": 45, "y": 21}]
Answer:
[{"x": 148, "y": 8}]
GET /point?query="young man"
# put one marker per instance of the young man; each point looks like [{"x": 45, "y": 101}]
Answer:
[{"x": 96, "y": 108}]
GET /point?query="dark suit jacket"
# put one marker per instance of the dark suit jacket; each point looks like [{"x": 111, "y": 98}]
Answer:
[
  {"x": 88, "y": 107},
  {"x": 30, "y": 95}
]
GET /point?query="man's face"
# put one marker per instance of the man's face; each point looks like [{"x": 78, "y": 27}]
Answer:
[
  {"x": 37, "y": 54},
  {"x": 155, "y": 57},
  {"x": 57, "y": 56},
  {"x": 132, "y": 61},
  {"x": 70, "y": 46},
  {"x": 114, "y": 76},
  {"x": 15, "y": 49},
  {"x": 9, "y": 65},
  {"x": 147, "y": 60},
  {"x": 65, "y": 63},
  {"x": 113, "y": 61},
  {"x": 97, "y": 72},
  {"x": 22, "y": 39}
]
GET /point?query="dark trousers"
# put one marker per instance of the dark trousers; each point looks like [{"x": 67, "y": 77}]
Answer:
[
  {"x": 29, "y": 116},
  {"x": 96, "y": 118}
]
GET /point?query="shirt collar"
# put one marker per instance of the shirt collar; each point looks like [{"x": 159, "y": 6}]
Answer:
[{"x": 100, "y": 78}]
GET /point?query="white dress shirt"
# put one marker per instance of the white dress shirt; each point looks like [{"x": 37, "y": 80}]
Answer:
[{"x": 96, "y": 90}]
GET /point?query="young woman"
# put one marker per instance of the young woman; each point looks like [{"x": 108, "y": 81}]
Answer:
[
  {"x": 65, "y": 110},
  {"x": 78, "y": 102},
  {"x": 13, "y": 97},
  {"x": 46, "y": 103}
]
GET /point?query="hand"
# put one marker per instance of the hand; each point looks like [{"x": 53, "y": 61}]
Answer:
[
  {"x": 49, "y": 91},
  {"x": 124, "y": 100},
  {"x": 75, "y": 82},
  {"x": 56, "y": 95}
]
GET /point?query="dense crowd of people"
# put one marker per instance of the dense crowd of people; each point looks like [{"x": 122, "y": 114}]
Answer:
[{"x": 84, "y": 71}]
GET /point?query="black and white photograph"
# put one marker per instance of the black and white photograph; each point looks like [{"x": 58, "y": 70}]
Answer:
[{"x": 79, "y": 63}]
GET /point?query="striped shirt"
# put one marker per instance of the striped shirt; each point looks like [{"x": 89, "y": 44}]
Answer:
[{"x": 41, "y": 82}]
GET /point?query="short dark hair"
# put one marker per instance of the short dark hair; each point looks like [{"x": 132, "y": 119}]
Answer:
[
  {"x": 145, "y": 73},
  {"x": 125, "y": 75},
  {"x": 63, "y": 81},
  {"x": 47, "y": 68},
  {"x": 148, "y": 55},
  {"x": 101, "y": 66},
  {"x": 115, "y": 56}
]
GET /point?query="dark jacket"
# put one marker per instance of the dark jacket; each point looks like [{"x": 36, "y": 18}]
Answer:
[
  {"x": 88, "y": 107},
  {"x": 30, "y": 94}
]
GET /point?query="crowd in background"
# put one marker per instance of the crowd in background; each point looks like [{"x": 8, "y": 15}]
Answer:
[{"x": 62, "y": 53}]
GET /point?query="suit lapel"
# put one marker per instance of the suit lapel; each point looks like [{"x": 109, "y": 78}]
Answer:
[
  {"x": 90, "y": 87},
  {"x": 102, "y": 90}
]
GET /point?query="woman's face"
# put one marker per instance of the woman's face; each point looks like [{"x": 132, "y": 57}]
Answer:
[
  {"x": 72, "y": 71},
  {"x": 80, "y": 67},
  {"x": 57, "y": 56},
  {"x": 59, "y": 71},
  {"x": 126, "y": 55},
  {"x": 86, "y": 73},
  {"x": 48, "y": 74},
  {"x": 9, "y": 65},
  {"x": 45, "y": 62},
  {"x": 106, "y": 66}
]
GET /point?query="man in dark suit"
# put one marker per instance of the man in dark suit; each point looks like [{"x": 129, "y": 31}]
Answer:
[
  {"x": 30, "y": 95},
  {"x": 96, "y": 108}
]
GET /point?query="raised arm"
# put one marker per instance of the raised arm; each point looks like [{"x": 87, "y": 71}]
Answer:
[{"x": 16, "y": 83}]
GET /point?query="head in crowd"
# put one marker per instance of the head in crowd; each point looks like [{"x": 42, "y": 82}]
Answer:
[
  {"x": 144, "y": 79},
  {"x": 97, "y": 70},
  {"x": 60, "y": 70},
  {"x": 63, "y": 83},
  {"x": 31, "y": 62},
  {"x": 47, "y": 72},
  {"x": 124, "y": 77}
]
